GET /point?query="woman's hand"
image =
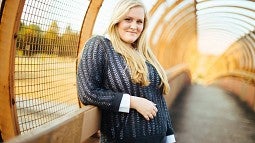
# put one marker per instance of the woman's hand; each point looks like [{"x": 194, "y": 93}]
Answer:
[{"x": 144, "y": 106}]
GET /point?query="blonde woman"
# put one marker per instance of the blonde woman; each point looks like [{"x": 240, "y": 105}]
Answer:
[{"x": 119, "y": 74}]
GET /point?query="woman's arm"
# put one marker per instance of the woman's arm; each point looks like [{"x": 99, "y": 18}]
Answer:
[{"x": 90, "y": 77}]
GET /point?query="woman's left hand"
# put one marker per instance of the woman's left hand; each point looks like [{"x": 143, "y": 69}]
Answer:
[{"x": 144, "y": 106}]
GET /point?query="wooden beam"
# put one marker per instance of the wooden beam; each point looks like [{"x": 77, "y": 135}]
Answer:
[
  {"x": 75, "y": 127},
  {"x": 8, "y": 33},
  {"x": 89, "y": 21},
  {"x": 155, "y": 7}
]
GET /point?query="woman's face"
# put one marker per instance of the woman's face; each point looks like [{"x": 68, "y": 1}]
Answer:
[{"x": 131, "y": 27}]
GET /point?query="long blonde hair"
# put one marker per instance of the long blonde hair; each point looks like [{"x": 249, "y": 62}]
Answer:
[{"x": 135, "y": 58}]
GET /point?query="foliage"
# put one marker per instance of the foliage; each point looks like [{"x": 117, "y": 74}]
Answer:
[{"x": 32, "y": 40}]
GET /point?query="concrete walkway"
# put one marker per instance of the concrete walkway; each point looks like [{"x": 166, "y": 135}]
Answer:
[{"x": 210, "y": 115}]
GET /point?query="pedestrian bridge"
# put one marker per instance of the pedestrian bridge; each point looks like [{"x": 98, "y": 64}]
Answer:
[{"x": 207, "y": 48}]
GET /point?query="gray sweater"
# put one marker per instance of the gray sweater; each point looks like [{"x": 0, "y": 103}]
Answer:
[{"x": 103, "y": 77}]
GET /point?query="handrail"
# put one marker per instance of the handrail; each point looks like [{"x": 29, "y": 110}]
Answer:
[
  {"x": 179, "y": 77},
  {"x": 239, "y": 83},
  {"x": 74, "y": 128},
  {"x": 177, "y": 70},
  {"x": 248, "y": 77}
]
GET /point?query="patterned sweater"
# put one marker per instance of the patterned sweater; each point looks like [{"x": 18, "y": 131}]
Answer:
[{"x": 103, "y": 77}]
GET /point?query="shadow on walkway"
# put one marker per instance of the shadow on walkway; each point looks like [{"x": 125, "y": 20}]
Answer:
[{"x": 208, "y": 114}]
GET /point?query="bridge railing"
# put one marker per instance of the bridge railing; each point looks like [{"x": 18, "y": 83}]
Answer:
[
  {"x": 80, "y": 125},
  {"x": 179, "y": 77},
  {"x": 240, "y": 83}
]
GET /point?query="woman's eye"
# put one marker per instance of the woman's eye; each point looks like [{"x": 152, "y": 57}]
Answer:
[
  {"x": 140, "y": 22},
  {"x": 128, "y": 19}
]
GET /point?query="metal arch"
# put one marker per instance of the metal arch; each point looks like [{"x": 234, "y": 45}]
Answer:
[
  {"x": 174, "y": 22},
  {"x": 231, "y": 18},
  {"x": 252, "y": 34},
  {"x": 246, "y": 54},
  {"x": 185, "y": 30},
  {"x": 155, "y": 17},
  {"x": 227, "y": 23},
  {"x": 222, "y": 28},
  {"x": 166, "y": 21},
  {"x": 234, "y": 10},
  {"x": 218, "y": 37},
  {"x": 223, "y": 35},
  {"x": 238, "y": 29},
  {"x": 210, "y": 14},
  {"x": 170, "y": 31},
  {"x": 218, "y": 32},
  {"x": 156, "y": 6},
  {"x": 219, "y": 3},
  {"x": 173, "y": 25},
  {"x": 161, "y": 19},
  {"x": 180, "y": 7},
  {"x": 89, "y": 22},
  {"x": 236, "y": 55},
  {"x": 243, "y": 52},
  {"x": 177, "y": 21},
  {"x": 176, "y": 17},
  {"x": 182, "y": 27},
  {"x": 251, "y": 46}
]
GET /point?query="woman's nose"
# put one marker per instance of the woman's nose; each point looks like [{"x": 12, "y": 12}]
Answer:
[{"x": 133, "y": 25}]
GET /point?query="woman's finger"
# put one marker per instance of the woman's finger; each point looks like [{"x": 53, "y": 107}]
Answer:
[
  {"x": 154, "y": 113},
  {"x": 151, "y": 116},
  {"x": 147, "y": 118},
  {"x": 155, "y": 109}
]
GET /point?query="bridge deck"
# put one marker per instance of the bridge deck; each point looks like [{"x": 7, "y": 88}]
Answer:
[{"x": 210, "y": 115}]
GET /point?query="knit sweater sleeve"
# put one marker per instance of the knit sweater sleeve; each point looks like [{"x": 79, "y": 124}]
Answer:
[{"x": 90, "y": 77}]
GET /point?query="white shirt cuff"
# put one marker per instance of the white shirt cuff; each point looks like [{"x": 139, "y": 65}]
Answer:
[
  {"x": 169, "y": 139},
  {"x": 125, "y": 103}
]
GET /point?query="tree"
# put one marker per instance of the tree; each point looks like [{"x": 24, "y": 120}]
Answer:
[
  {"x": 29, "y": 38},
  {"x": 52, "y": 39},
  {"x": 69, "y": 42}
]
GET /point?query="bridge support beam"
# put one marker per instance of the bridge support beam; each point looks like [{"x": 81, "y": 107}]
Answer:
[
  {"x": 9, "y": 25},
  {"x": 89, "y": 21}
]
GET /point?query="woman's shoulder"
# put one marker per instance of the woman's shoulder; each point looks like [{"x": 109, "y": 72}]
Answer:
[
  {"x": 101, "y": 41},
  {"x": 98, "y": 42},
  {"x": 98, "y": 38}
]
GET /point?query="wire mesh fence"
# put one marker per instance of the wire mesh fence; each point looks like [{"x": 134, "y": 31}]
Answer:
[{"x": 45, "y": 60}]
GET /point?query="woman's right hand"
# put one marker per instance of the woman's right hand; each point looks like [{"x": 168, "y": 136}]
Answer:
[{"x": 144, "y": 106}]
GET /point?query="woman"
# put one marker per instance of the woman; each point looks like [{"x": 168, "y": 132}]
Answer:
[{"x": 121, "y": 76}]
